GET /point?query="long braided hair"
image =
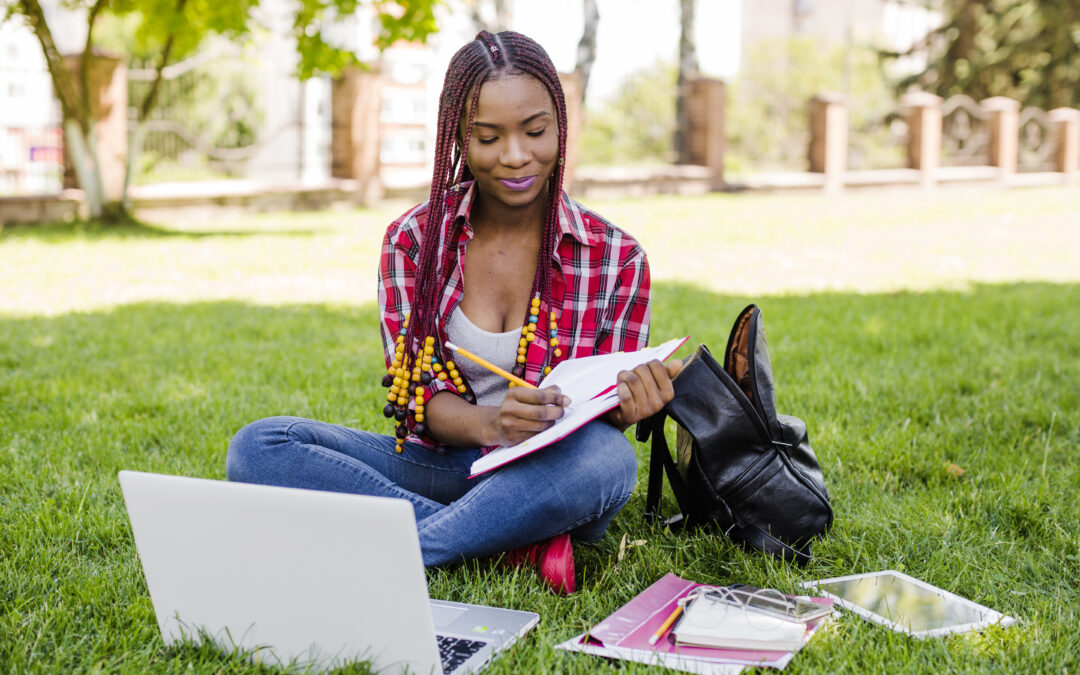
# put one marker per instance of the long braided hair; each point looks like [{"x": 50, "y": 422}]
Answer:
[{"x": 487, "y": 57}]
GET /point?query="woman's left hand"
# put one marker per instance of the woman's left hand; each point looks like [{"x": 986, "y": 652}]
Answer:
[{"x": 643, "y": 391}]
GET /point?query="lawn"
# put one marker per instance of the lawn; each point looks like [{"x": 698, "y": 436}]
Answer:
[{"x": 911, "y": 331}]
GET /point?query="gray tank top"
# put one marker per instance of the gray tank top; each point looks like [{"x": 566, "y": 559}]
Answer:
[{"x": 498, "y": 348}]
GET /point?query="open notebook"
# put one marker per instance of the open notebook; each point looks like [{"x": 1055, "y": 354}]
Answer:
[{"x": 591, "y": 383}]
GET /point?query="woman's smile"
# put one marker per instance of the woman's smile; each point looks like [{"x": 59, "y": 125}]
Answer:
[{"x": 518, "y": 184}]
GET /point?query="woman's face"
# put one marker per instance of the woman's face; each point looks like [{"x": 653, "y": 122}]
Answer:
[{"x": 515, "y": 139}]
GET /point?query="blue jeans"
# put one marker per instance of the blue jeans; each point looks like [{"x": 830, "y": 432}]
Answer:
[{"x": 576, "y": 485}]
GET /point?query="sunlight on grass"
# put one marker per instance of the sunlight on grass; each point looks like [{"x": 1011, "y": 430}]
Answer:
[{"x": 755, "y": 245}]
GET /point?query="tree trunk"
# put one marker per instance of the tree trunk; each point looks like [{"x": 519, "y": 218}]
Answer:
[
  {"x": 688, "y": 69},
  {"x": 586, "y": 48}
]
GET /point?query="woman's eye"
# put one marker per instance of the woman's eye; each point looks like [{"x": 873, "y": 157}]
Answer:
[
  {"x": 538, "y": 133},
  {"x": 487, "y": 141}
]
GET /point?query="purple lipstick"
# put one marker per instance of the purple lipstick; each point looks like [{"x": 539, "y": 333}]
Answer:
[{"x": 518, "y": 184}]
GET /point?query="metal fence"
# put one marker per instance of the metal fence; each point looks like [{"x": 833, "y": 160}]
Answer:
[{"x": 227, "y": 113}]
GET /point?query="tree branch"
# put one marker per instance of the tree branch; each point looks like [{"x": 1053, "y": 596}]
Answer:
[
  {"x": 84, "y": 60},
  {"x": 166, "y": 53}
]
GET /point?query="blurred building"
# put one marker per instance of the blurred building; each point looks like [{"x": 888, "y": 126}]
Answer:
[{"x": 31, "y": 159}]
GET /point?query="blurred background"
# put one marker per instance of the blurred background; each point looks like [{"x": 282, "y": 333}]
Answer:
[{"x": 110, "y": 107}]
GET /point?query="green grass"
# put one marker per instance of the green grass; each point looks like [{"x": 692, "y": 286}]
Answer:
[{"x": 894, "y": 386}]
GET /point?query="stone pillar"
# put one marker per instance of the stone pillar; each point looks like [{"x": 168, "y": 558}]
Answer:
[
  {"x": 571, "y": 84},
  {"x": 706, "y": 103},
  {"x": 829, "y": 139},
  {"x": 922, "y": 111},
  {"x": 1003, "y": 121},
  {"x": 356, "y": 106},
  {"x": 1065, "y": 125},
  {"x": 107, "y": 82}
]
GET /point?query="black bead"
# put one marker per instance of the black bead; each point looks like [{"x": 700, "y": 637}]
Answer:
[
  {"x": 420, "y": 429},
  {"x": 402, "y": 431},
  {"x": 400, "y": 414},
  {"x": 387, "y": 380},
  {"x": 519, "y": 370},
  {"x": 425, "y": 378},
  {"x": 388, "y": 410}
]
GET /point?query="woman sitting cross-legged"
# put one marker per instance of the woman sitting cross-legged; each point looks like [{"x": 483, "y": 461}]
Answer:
[{"x": 502, "y": 262}]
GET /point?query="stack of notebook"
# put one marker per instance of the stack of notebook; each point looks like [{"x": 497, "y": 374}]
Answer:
[{"x": 709, "y": 637}]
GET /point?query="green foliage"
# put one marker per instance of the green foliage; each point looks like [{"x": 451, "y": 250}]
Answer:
[
  {"x": 637, "y": 124},
  {"x": 1028, "y": 50},
  {"x": 768, "y": 122},
  {"x": 410, "y": 20}
]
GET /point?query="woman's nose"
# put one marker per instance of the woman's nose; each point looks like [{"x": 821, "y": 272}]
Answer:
[{"x": 514, "y": 154}]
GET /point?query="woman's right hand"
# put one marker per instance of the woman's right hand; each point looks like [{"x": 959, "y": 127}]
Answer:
[{"x": 526, "y": 412}]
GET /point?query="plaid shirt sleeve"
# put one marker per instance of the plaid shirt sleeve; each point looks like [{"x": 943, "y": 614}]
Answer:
[{"x": 626, "y": 321}]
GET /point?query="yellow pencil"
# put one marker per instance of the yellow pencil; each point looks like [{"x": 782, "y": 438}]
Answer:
[
  {"x": 655, "y": 637},
  {"x": 490, "y": 366}
]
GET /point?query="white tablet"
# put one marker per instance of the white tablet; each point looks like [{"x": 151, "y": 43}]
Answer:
[{"x": 907, "y": 605}]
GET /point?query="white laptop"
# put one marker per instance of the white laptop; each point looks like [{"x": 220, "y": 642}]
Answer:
[{"x": 302, "y": 577}]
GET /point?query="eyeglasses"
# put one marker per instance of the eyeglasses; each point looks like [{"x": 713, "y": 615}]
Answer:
[{"x": 757, "y": 603}]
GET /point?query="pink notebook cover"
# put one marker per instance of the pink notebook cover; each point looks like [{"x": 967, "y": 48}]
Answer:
[{"x": 633, "y": 623}]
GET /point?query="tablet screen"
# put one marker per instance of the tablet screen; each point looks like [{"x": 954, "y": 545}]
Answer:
[{"x": 911, "y": 605}]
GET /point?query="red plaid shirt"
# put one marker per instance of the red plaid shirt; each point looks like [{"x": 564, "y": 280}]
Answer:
[{"x": 599, "y": 283}]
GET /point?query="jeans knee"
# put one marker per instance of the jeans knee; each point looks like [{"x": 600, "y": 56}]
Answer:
[
  {"x": 250, "y": 446},
  {"x": 600, "y": 462}
]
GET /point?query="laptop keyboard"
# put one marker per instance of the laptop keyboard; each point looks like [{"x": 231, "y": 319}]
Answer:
[{"x": 454, "y": 651}]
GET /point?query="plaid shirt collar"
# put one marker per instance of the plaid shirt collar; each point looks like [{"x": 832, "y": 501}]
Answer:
[{"x": 570, "y": 221}]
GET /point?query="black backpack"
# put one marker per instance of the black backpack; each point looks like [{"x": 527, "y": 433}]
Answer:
[{"x": 740, "y": 464}]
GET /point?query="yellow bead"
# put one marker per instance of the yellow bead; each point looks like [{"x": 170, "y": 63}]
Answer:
[
  {"x": 558, "y": 352},
  {"x": 392, "y": 396},
  {"x": 442, "y": 376},
  {"x": 512, "y": 384},
  {"x": 535, "y": 302},
  {"x": 521, "y": 358},
  {"x": 524, "y": 329},
  {"x": 437, "y": 367},
  {"x": 532, "y": 328},
  {"x": 430, "y": 340},
  {"x": 523, "y": 342},
  {"x": 458, "y": 381},
  {"x": 521, "y": 350},
  {"x": 547, "y": 369},
  {"x": 419, "y": 408},
  {"x": 530, "y": 337},
  {"x": 419, "y": 417},
  {"x": 449, "y": 365},
  {"x": 429, "y": 350},
  {"x": 554, "y": 342},
  {"x": 419, "y": 401},
  {"x": 401, "y": 400},
  {"x": 454, "y": 374},
  {"x": 461, "y": 389}
]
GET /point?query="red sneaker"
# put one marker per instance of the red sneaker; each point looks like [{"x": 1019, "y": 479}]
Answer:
[{"x": 554, "y": 557}]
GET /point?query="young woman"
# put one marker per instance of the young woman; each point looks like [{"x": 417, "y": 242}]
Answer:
[{"x": 501, "y": 262}]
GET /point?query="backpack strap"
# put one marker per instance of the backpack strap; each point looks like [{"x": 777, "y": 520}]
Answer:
[{"x": 660, "y": 462}]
